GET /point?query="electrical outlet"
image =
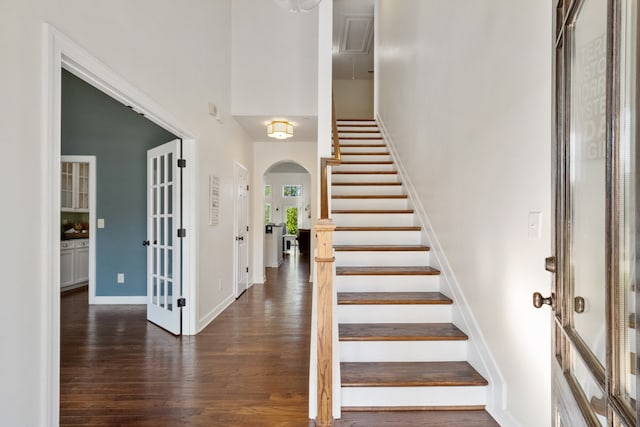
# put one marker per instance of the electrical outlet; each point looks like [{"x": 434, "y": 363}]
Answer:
[
  {"x": 535, "y": 225},
  {"x": 100, "y": 222},
  {"x": 120, "y": 277}
]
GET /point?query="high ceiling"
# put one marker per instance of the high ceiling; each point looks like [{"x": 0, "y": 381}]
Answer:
[{"x": 353, "y": 39}]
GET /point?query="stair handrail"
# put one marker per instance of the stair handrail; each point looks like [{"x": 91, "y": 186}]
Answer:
[
  {"x": 325, "y": 162},
  {"x": 325, "y": 277}
]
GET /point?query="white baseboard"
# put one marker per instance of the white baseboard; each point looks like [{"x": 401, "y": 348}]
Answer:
[
  {"x": 211, "y": 315},
  {"x": 128, "y": 300}
]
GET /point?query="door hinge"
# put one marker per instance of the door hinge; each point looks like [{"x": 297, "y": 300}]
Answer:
[
  {"x": 247, "y": 269},
  {"x": 247, "y": 228},
  {"x": 182, "y": 163},
  {"x": 182, "y": 302},
  {"x": 182, "y": 232},
  {"x": 247, "y": 187}
]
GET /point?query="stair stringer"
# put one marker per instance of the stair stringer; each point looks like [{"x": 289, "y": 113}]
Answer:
[{"x": 478, "y": 352}]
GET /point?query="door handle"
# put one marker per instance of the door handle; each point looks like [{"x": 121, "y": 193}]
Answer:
[
  {"x": 539, "y": 300},
  {"x": 145, "y": 243}
]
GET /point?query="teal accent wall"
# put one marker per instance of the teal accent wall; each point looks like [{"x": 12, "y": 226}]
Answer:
[{"x": 96, "y": 124}]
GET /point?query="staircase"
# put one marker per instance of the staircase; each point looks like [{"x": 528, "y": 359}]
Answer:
[{"x": 401, "y": 358}]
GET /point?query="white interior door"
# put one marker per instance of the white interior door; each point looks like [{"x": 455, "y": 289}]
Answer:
[
  {"x": 163, "y": 244},
  {"x": 242, "y": 229}
]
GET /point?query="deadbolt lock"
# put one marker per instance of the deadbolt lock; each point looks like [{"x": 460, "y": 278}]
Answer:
[
  {"x": 578, "y": 304},
  {"x": 550, "y": 264}
]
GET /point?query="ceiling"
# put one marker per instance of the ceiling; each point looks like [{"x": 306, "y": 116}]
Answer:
[
  {"x": 352, "y": 59},
  {"x": 305, "y": 128},
  {"x": 353, "y": 39}
]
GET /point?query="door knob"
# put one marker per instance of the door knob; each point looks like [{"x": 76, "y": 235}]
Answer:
[
  {"x": 539, "y": 300},
  {"x": 145, "y": 243}
]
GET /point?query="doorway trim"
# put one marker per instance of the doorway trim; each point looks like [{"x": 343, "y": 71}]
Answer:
[
  {"x": 237, "y": 167},
  {"x": 60, "y": 52}
]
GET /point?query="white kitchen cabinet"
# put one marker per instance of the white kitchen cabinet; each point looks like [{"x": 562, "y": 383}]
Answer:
[
  {"x": 67, "y": 267},
  {"x": 74, "y": 187},
  {"x": 82, "y": 261},
  {"x": 74, "y": 262}
]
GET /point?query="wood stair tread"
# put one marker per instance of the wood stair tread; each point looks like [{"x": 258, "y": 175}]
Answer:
[
  {"x": 355, "y": 138},
  {"x": 372, "y": 211},
  {"x": 409, "y": 374},
  {"x": 386, "y": 271},
  {"x": 369, "y": 196},
  {"x": 358, "y": 131},
  {"x": 335, "y": 172},
  {"x": 365, "y": 153},
  {"x": 360, "y": 146},
  {"x": 379, "y": 228},
  {"x": 371, "y": 298},
  {"x": 366, "y": 183},
  {"x": 381, "y": 248},
  {"x": 471, "y": 417},
  {"x": 366, "y": 162},
  {"x": 400, "y": 332}
]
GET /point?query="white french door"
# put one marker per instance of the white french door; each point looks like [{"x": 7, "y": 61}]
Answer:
[
  {"x": 242, "y": 230},
  {"x": 163, "y": 244}
]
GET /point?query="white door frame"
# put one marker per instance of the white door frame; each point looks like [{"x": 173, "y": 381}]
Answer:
[
  {"x": 59, "y": 52},
  {"x": 93, "y": 235}
]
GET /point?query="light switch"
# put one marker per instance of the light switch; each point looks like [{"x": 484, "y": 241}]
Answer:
[
  {"x": 535, "y": 225},
  {"x": 120, "y": 277},
  {"x": 100, "y": 222}
]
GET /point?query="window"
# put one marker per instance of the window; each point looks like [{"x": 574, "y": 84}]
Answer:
[
  {"x": 292, "y": 220},
  {"x": 291, "y": 190},
  {"x": 267, "y": 213},
  {"x": 267, "y": 191}
]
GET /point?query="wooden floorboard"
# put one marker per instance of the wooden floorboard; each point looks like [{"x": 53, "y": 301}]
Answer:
[{"x": 249, "y": 367}]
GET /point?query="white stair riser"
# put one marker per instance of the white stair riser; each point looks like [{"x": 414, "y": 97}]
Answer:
[
  {"x": 414, "y": 396},
  {"x": 365, "y": 167},
  {"x": 356, "y": 122},
  {"x": 386, "y": 258},
  {"x": 394, "y": 313},
  {"x": 403, "y": 351},
  {"x": 346, "y": 157},
  {"x": 374, "y": 219},
  {"x": 386, "y": 204},
  {"x": 362, "y": 134},
  {"x": 387, "y": 283},
  {"x": 376, "y": 238},
  {"x": 346, "y": 150},
  {"x": 372, "y": 128},
  {"x": 344, "y": 190},
  {"x": 365, "y": 177}
]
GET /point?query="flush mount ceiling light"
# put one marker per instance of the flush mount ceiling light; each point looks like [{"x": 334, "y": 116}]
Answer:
[
  {"x": 280, "y": 129},
  {"x": 298, "y": 5}
]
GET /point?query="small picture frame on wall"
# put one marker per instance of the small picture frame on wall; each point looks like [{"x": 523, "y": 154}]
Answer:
[{"x": 214, "y": 199}]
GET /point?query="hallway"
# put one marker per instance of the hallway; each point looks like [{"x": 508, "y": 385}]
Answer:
[{"x": 249, "y": 367}]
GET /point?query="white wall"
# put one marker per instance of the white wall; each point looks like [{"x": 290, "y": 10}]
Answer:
[
  {"x": 464, "y": 90},
  {"x": 179, "y": 55},
  {"x": 274, "y": 60},
  {"x": 266, "y": 154},
  {"x": 354, "y": 99}
]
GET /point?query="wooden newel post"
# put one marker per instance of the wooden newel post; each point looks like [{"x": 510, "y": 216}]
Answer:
[{"x": 324, "y": 265}]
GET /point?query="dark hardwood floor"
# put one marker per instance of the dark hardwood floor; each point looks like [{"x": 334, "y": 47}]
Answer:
[{"x": 249, "y": 367}]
